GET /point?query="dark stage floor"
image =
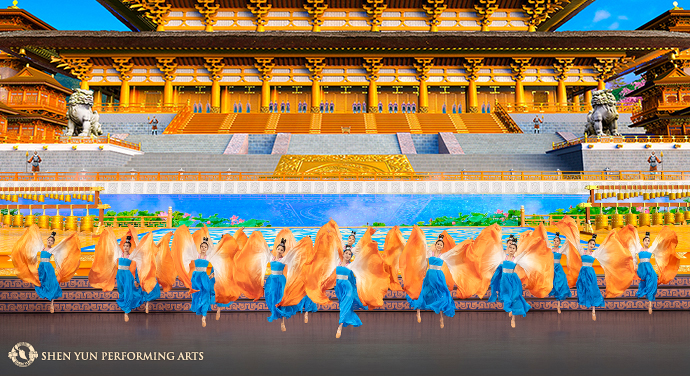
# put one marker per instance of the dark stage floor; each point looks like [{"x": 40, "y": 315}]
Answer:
[{"x": 544, "y": 343}]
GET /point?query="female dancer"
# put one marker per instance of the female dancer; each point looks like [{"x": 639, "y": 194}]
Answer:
[
  {"x": 31, "y": 260},
  {"x": 510, "y": 287},
  {"x": 588, "y": 293},
  {"x": 130, "y": 294},
  {"x": 275, "y": 287},
  {"x": 185, "y": 251},
  {"x": 201, "y": 299},
  {"x": 561, "y": 290},
  {"x": 361, "y": 283},
  {"x": 113, "y": 264},
  {"x": 434, "y": 292},
  {"x": 616, "y": 261},
  {"x": 346, "y": 291},
  {"x": 664, "y": 251}
]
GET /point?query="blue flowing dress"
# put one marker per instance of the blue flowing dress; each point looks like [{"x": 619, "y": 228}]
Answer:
[
  {"x": 49, "y": 288},
  {"x": 588, "y": 293},
  {"x": 495, "y": 285},
  {"x": 346, "y": 291},
  {"x": 648, "y": 277},
  {"x": 148, "y": 296},
  {"x": 435, "y": 294},
  {"x": 511, "y": 291},
  {"x": 274, "y": 288},
  {"x": 129, "y": 297},
  {"x": 561, "y": 290},
  {"x": 307, "y": 305},
  {"x": 201, "y": 300},
  {"x": 213, "y": 292}
]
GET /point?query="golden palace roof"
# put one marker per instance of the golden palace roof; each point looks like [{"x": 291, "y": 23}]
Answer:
[{"x": 635, "y": 42}]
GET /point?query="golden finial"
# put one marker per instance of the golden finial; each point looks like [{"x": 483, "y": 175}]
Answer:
[
  {"x": 14, "y": 5},
  {"x": 675, "y": 6}
]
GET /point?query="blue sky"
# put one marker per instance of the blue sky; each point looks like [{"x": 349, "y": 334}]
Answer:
[{"x": 600, "y": 15}]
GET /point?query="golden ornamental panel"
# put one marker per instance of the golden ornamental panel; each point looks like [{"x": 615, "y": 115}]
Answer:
[{"x": 342, "y": 164}]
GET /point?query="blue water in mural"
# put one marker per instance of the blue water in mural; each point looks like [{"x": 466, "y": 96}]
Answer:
[
  {"x": 431, "y": 233},
  {"x": 347, "y": 210}
]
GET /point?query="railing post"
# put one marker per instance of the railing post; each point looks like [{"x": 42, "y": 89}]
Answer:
[
  {"x": 522, "y": 216},
  {"x": 168, "y": 220}
]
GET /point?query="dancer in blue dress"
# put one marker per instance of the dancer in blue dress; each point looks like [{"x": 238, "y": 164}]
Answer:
[
  {"x": 561, "y": 290},
  {"x": 588, "y": 292},
  {"x": 201, "y": 284},
  {"x": 49, "y": 288},
  {"x": 346, "y": 291},
  {"x": 511, "y": 287},
  {"x": 435, "y": 294},
  {"x": 508, "y": 286},
  {"x": 129, "y": 292},
  {"x": 495, "y": 293},
  {"x": 648, "y": 277},
  {"x": 274, "y": 288}
]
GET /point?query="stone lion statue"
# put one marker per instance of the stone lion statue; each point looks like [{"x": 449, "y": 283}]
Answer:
[
  {"x": 602, "y": 120},
  {"x": 82, "y": 121}
]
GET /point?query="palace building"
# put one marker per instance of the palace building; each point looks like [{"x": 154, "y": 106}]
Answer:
[{"x": 309, "y": 63}]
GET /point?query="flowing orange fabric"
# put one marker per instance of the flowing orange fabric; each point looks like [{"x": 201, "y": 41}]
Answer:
[
  {"x": 240, "y": 238},
  {"x": 448, "y": 244},
  {"x": 223, "y": 263},
  {"x": 413, "y": 263},
  {"x": 392, "y": 249},
  {"x": 290, "y": 241},
  {"x": 462, "y": 261},
  {"x": 250, "y": 266},
  {"x": 295, "y": 260},
  {"x": 365, "y": 239},
  {"x": 667, "y": 260},
  {"x": 568, "y": 228},
  {"x": 104, "y": 266},
  {"x": 319, "y": 276},
  {"x": 199, "y": 236},
  {"x": 184, "y": 251},
  {"x": 67, "y": 256},
  {"x": 332, "y": 226},
  {"x": 165, "y": 266},
  {"x": 489, "y": 255},
  {"x": 24, "y": 255},
  {"x": 145, "y": 256},
  {"x": 131, "y": 231},
  {"x": 372, "y": 279},
  {"x": 617, "y": 263},
  {"x": 534, "y": 262},
  {"x": 630, "y": 239}
]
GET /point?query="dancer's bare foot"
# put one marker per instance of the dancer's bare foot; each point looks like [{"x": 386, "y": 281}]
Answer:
[
  {"x": 52, "y": 308},
  {"x": 126, "y": 317},
  {"x": 306, "y": 317},
  {"x": 594, "y": 314},
  {"x": 512, "y": 321},
  {"x": 442, "y": 321},
  {"x": 282, "y": 325},
  {"x": 419, "y": 316},
  {"x": 559, "y": 307},
  {"x": 650, "y": 308},
  {"x": 203, "y": 321},
  {"x": 218, "y": 314},
  {"x": 147, "y": 307},
  {"x": 340, "y": 328}
]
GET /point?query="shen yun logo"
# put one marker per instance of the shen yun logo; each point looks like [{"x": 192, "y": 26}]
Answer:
[{"x": 23, "y": 354}]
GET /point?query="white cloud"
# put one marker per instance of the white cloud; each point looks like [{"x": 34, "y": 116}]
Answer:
[
  {"x": 614, "y": 26},
  {"x": 623, "y": 18},
  {"x": 601, "y": 15}
]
